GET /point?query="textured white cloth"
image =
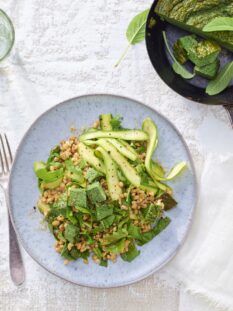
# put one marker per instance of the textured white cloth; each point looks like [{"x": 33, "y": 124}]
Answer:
[
  {"x": 65, "y": 49},
  {"x": 205, "y": 263}
]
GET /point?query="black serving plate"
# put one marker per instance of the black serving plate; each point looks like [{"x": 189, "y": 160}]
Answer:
[{"x": 193, "y": 89}]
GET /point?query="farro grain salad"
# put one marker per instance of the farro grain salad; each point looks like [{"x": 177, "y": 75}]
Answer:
[{"x": 102, "y": 195}]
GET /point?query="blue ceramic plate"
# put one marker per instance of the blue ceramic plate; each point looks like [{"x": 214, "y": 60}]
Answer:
[{"x": 53, "y": 126}]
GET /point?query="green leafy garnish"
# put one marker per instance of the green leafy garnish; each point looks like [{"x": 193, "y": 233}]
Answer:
[
  {"x": 135, "y": 32},
  {"x": 71, "y": 233},
  {"x": 116, "y": 122},
  {"x": 222, "y": 80},
  {"x": 152, "y": 213},
  {"x": 131, "y": 254},
  {"x": 148, "y": 236},
  {"x": 219, "y": 24},
  {"x": 115, "y": 236},
  {"x": 177, "y": 67},
  {"x": 103, "y": 211},
  {"x": 168, "y": 201}
]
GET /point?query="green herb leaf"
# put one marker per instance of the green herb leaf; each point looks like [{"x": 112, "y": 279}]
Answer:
[
  {"x": 116, "y": 122},
  {"x": 115, "y": 236},
  {"x": 134, "y": 231},
  {"x": 116, "y": 248},
  {"x": 148, "y": 236},
  {"x": 222, "y": 80},
  {"x": 219, "y": 24},
  {"x": 103, "y": 211},
  {"x": 66, "y": 254},
  {"x": 168, "y": 201},
  {"x": 131, "y": 254},
  {"x": 177, "y": 67},
  {"x": 135, "y": 32},
  {"x": 107, "y": 222},
  {"x": 71, "y": 233},
  {"x": 152, "y": 213}
]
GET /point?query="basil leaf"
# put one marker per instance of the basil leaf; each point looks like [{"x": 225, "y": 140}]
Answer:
[
  {"x": 177, "y": 67},
  {"x": 219, "y": 24},
  {"x": 135, "y": 32},
  {"x": 222, "y": 80},
  {"x": 180, "y": 70}
]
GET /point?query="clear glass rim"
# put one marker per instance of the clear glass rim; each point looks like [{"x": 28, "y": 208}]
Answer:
[{"x": 13, "y": 34}]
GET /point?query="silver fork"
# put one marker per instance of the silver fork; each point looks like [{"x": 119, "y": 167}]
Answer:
[{"x": 17, "y": 270}]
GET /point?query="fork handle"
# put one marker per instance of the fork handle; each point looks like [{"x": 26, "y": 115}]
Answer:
[{"x": 17, "y": 270}]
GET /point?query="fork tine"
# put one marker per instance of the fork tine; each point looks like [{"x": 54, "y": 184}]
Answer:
[
  {"x": 9, "y": 148},
  {"x": 2, "y": 163},
  {"x": 6, "y": 167}
]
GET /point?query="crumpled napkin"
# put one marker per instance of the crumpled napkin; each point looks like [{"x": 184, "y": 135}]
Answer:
[{"x": 205, "y": 262}]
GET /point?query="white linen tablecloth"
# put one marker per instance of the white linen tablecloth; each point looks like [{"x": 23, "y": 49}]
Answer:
[{"x": 68, "y": 48}]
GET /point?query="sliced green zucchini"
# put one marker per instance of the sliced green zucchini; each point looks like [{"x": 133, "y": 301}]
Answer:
[
  {"x": 88, "y": 155},
  {"x": 50, "y": 185},
  {"x": 157, "y": 169},
  {"x": 105, "y": 123},
  {"x": 174, "y": 172},
  {"x": 122, "y": 149},
  {"x": 41, "y": 172},
  {"x": 149, "y": 188},
  {"x": 128, "y": 170},
  {"x": 124, "y": 143},
  {"x": 150, "y": 128},
  {"x": 114, "y": 189},
  {"x": 125, "y": 135}
]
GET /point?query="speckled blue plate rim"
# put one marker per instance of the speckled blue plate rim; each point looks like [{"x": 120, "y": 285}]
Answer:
[{"x": 192, "y": 213}]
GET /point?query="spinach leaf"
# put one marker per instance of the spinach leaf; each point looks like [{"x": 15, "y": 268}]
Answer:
[
  {"x": 134, "y": 231},
  {"x": 71, "y": 217},
  {"x": 61, "y": 202},
  {"x": 222, "y": 80},
  {"x": 53, "y": 213},
  {"x": 152, "y": 213},
  {"x": 66, "y": 254},
  {"x": 83, "y": 210},
  {"x": 135, "y": 32},
  {"x": 148, "y": 236},
  {"x": 75, "y": 254},
  {"x": 108, "y": 221},
  {"x": 71, "y": 233},
  {"x": 97, "y": 252},
  {"x": 115, "y": 236},
  {"x": 116, "y": 122},
  {"x": 177, "y": 67},
  {"x": 168, "y": 201},
  {"x": 219, "y": 24},
  {"x": 116, "y": 248},
  {"x": 55, "y": 152},
  {"x": 103, "y": 211},
  {"x": 85, "y": 254},
  {"x": 132, "y": 253},
  {"x": 104, "y": 263}
]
